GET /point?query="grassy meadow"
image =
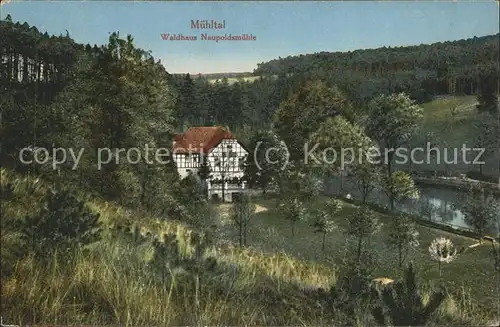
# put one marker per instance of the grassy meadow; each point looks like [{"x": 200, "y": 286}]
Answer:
[
  {"x": 272, "y": 282},
  {"x": 450, "y": 119},
  {"x": 471, "y": 272}
]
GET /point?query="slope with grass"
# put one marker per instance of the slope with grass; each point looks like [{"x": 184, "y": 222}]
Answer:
[
  {"x": 113, "y": 281},
  {"x": 450, "y": 119},
  {"x": 116, "y": 280}
]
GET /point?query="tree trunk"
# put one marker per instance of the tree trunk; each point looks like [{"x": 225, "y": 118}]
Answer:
[
  {"x": 360, "y": 240},
  {"x": 323, "y": 245},
  {"x": 439, "y": 268},
  {"x": 293, "y": 229},
  {"x": 400, "y": 256},
  {"x": 389, "y": 164}
]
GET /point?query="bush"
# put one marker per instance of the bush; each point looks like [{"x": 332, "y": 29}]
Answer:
[{"x": 64, "y": 222}]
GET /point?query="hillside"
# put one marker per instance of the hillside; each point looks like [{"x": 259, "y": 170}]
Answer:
[
  {"x": 115, "y": 280},
  {"x": 424, "y": 71},
  {"x": 445, "y": 58},
  {"x": 449, "y": 120},
  {"x": 272, "y": 282}
]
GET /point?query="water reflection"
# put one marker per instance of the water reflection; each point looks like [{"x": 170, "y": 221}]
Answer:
[{"x": 435, "y": 204}]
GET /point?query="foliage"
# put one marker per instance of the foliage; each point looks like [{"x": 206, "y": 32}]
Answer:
[
  {"x": 368, "y": 177},
  {"x": 487, "y": 135},
  {"x": 442, "y": 250},
  {"x": 305, "y": 184},
  {"x": 205, "y": 171},
  {"x": 338, "y": 143},
  {"x": 480, "y": 210},
  {"x": 487, "y": 97},
  {"x": 399, "y": 186},
  {"x": 267, "y": 158},
  {"x": 191, "y": 198},
  {"x": 64, "y": 223},
  {"x": 334, "y": 207},
  {"x": 304, "y": 111},
  {"x": 361, "y": 225},
  {"x": 403, "y": 236},
  {"x": 403, "y": 304},
  {"x": 422, "y": 71},
  {"x": 323, "y": 224},
  {"x": 293, "y": 210},
  {"x": 354, "y": 294},
  {"x": 392, "y": 120}
]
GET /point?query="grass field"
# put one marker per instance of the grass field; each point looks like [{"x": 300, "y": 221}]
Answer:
[
  {"x": 233, "y": 80},
  {"x": 471, "y": 272},
  {"x": 454, "y": 128},
  {"x": 111, "y": 282}
]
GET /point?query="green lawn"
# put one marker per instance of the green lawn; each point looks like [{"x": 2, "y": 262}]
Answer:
[{"x": 472, "y": 270}]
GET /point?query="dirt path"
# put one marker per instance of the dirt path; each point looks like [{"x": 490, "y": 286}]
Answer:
[{"x": 259, "y": 208}]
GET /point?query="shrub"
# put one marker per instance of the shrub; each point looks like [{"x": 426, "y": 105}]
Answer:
[
  {"x": 64, "y": 222},
  {"x": 403, "y": 304}
]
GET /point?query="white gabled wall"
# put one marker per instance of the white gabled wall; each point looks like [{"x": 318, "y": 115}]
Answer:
[{"x": 228, "y": 168}]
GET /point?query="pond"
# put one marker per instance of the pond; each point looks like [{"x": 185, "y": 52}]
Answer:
[{"x": 435, "y": 204}]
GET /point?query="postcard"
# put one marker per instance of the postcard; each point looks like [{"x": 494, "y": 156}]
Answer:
[{"x": 237, "y": 163}]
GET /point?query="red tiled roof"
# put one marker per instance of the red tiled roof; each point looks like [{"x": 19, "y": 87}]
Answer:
[{"x": 200, "y": 139}]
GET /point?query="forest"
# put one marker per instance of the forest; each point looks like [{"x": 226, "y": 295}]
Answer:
[{"x": 453, "y": 67}]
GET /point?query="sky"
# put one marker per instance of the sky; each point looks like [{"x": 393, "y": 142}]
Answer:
[{"x": 281, "y": 28}]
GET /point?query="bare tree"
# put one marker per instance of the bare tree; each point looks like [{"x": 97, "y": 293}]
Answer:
[{"x": 242, "y": 213}]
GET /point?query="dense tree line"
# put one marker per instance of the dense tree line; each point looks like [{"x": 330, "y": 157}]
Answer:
[
  {"x": 34, "y": 64},
  {"x": 452, "y": 67},
  {"x": 60, "y": 94},
  {"x": 239, "y": 105}
]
